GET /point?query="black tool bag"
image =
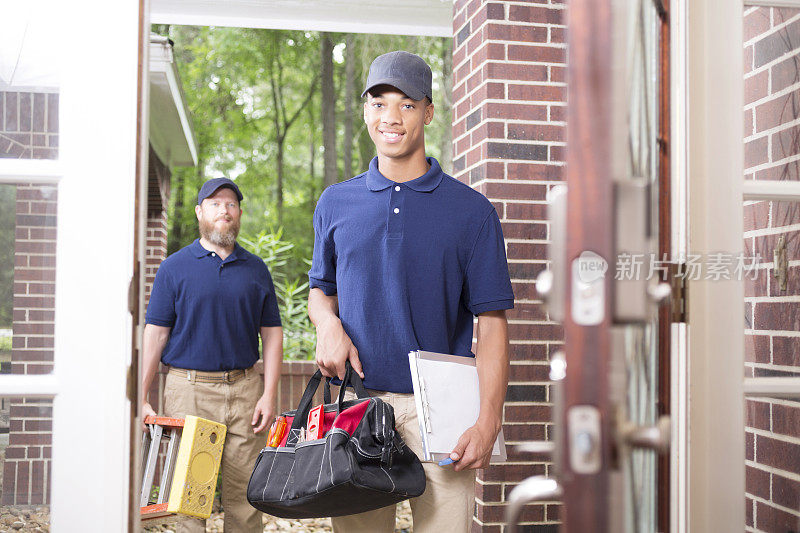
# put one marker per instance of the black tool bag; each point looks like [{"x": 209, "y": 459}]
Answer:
[{"x": 359, "y": 465}]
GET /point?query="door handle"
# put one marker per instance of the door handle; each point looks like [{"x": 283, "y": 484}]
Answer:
[
  {"x": 532, "y": 489},
  {"x": 551, "y": 284},
  {"x": 656, "y": 437}
]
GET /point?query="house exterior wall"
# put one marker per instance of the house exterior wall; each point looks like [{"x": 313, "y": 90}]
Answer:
[
  {"x": 29, "y": 130},
  {"x": 509, "y": 94},
  {"x": 772, "y": 347}
]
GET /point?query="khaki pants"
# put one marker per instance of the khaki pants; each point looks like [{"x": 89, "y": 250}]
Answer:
[
  {"x": 231, "y": 404},
  {"x": 449, "y": 498}
]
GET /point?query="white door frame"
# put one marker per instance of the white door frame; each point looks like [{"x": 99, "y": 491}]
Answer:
[
  {"x": 95, "y": 174},
  {"x": 712, "y": 141}
]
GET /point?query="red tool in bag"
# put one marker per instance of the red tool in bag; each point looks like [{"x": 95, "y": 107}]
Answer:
[{"x": 358, "y": 462}]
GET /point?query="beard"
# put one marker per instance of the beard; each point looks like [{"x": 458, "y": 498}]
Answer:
[{"x": 226, "y": 239}]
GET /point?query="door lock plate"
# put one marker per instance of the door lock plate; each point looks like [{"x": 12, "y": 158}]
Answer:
[{"x": 583, "y": 422}]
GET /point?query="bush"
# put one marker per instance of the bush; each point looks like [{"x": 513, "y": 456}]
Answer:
[
  {"x": 5, "y": 343},
  {"x": 299, "y": 334}
]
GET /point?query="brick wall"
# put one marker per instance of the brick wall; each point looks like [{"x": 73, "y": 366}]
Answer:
[
  {"x": 29, "y": 130},
  {"x": 509, "y": 94},
  {"x": 28, "y": 125},
  {"x": 157, "y": 200},
  {"x": 772, "y": 347}
]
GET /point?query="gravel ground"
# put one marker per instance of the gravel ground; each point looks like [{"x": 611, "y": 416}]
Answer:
[
  {"x": 283, "y": 525},
  {"x": 37, "y": 520}
]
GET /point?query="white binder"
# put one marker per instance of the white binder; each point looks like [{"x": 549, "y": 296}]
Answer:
[{"x": 448, "y": 402}]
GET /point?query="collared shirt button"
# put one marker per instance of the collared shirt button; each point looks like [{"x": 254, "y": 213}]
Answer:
[
  {"x": 396, "y": 210},
  {"x": 213, "y": 254},
  {"x": 397, "y": 188}
]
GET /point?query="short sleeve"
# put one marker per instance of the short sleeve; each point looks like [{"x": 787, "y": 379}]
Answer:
[
  {"x": 161, "y": 308},
  {"x": 270, "y": 314},
  {"x": 487, "y": 283},
  {"x": 323, "y": 262}
]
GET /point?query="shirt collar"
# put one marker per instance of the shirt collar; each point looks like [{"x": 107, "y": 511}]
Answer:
[
  {"x": 425, "y": 183},
  {"x": 237, "y": 254}
]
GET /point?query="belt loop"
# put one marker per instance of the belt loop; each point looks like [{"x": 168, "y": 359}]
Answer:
[{"x": 191, "y": 375}]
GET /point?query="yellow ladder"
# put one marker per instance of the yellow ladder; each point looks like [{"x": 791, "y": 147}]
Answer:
[{"x": 190, "y": 470}]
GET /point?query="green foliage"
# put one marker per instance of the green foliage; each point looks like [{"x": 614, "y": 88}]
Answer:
[
  {"x": 8, "y": 197},
  {"x": 256, "y": 109},
  {"x": 232, "y": 79},
  {"x": 5, "y": 344},
  {"x": 299, "y": 335}
]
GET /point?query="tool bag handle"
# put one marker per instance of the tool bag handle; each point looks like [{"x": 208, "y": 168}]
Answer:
[{"x": 350, "y": 378}]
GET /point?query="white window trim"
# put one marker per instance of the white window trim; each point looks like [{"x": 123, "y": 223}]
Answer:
[{"x": 715, "y": 100}]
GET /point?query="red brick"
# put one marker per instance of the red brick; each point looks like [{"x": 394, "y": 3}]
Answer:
[
  {"x": 784, "y": 316},
  {"x": 15, "y": 452},
  {"x": 557, "y": 113},
  {"x": 784, "y": 74},
  {"x": 785, "y": 491},
  {"x": 540, "y": 54},
  {"x": 38, "y": 487},
  {"x": 756, "y": 87},
  {"x": 539, "y": 332},
  {"x": 534, "y": 171},
  {"x": 511, "y": 473},
  {"x": 786, "y": 351},
  {"x": 535, "y": 132},
  {"x": 769, "y": 518},
  {"x": 527, "y": 231},
  {"x": 515, "y": 71},
  {"x": 496, "y": 513},
  {"x": 529, "y": 373},
  {"x": 524, "y": 290},
  {"x": 539, "y": 15},
  {"x": 488, "y": 492},
  {"x": 757, "y": 415},
  {"x": 785, "y": 143},
  {"x": 516, "y": 111},
  {"x": 38, "y": 302},
  {"x": 525, "y": 311},
  {"x": 477, "y": 527},
  {"x": 515, "y": 191},
  {"x": 526, "y": 211},
  {"x": 509, "y": 32},
  {"x": 38, "y": 425},
  {"x": 748, "y": 122},
  {"x": 778, "y": 454},
  {"x": 535, "y": 251},
  {"x": 777, "y": 111},
  {"x": 525, "y": 270},
  {"x": 756, "y": 348},
  {"x": 756, "y": 23},
  {"x": 786, "y": 420},
  {"x": 526, "y": 352}
]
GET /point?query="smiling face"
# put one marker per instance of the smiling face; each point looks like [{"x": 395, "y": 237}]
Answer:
[
  {"x": 219, "y": 217},
  {"x": 396, "y": 123}
]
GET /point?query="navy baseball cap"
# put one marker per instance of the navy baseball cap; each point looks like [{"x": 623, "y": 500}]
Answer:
[
  {"x": 403, "y": 70},
  {"x": 212, "y": 185}
]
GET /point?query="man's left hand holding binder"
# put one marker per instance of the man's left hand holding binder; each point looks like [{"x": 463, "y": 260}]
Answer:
[{"x": 474, "y": 447}]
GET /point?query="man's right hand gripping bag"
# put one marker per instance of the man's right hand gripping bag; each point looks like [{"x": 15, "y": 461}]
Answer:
[{"x": 360, "y": 463}]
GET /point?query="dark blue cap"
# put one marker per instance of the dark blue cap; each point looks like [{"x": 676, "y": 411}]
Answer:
[
  {"x": 403, "y": 70},
  {"x": 211, "y": 186}
]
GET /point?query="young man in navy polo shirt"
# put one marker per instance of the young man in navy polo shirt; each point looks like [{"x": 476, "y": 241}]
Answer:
[
  {"x": 210, "y": 302},
  {"x": 404, "y": 257}
]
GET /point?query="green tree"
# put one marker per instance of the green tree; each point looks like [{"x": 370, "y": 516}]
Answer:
[
  {"x": 8, "y": 198},
  {"x": 255, "y": 97}
]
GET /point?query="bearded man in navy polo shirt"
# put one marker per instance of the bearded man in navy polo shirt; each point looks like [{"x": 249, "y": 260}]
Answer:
[
  {"x": 404, "y": 257},
  {"x": 210, "y": 302}
]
